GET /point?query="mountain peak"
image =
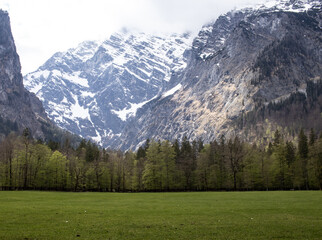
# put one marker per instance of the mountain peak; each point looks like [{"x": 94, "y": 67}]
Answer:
[
  {"x": 133, "y": 86},
  {"x": 283, "y": 5},
  {"x": 93, "y": 89},
  {"x": 246, "y": 59}
]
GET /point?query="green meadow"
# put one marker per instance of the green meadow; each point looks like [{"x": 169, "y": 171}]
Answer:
[{"x": 196, "y": 215}]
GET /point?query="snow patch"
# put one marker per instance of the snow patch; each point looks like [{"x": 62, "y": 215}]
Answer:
[
  {"x": 172, "y": 90},
  {"x": 179, "y": 68},
  {"x": 78, "y": 111},
  {"x": 205, "y": 55},
  {"x": 135, "y": 75},
  {"x": 120, "y": 60},
  {"x": 124, "y": 114},
  {"x": 86, "y": 50},
  {"x": 208, "y": 28},
  {"x": 64, "y": 100},
  {"x": 87, "y": 94},
  {"x": 38, "y": 74},
  {"x": 284, "y": 5},
  {"x": 98, "y": 138},
  {"x": 75, "y": 78},
  {"x": 45, "y": 73},
  {"x": 35, "y": 89}
]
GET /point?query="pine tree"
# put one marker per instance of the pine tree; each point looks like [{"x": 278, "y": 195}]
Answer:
[
  {"x": 312, "y": 137},
  {"x": 187, "y": 162},
  {"x": 290, "y": 158},
  {"x": 279, "y": 165},
  {"x": 303, "y": 150},
  {"x": 277, "y": 138}
]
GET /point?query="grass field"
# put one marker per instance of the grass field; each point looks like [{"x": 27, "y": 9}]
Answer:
[{"x": 199, "y": 215}]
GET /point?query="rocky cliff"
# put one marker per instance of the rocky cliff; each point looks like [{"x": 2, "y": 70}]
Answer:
[
  {"x": 19, "y": 109},
  {"x": 245, "y": 59}
]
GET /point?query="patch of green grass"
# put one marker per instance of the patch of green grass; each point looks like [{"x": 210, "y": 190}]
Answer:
[{"x": 198, "y": 215}]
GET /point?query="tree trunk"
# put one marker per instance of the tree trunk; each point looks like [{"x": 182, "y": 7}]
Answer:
[{"x": 235, "y": 181}]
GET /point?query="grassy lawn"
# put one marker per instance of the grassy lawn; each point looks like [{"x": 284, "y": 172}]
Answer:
[{"x": 199, "y": 215}]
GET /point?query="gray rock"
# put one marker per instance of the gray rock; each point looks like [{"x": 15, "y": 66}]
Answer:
[
  {"x": 246, "y": 58},
  {"x": 16, "y": 103}
]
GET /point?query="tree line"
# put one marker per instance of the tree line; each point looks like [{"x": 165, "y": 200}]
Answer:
[{"x": 225, "y": 164}]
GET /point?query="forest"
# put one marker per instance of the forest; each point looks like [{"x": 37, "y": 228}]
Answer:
[{"x": 223, "y": 165}]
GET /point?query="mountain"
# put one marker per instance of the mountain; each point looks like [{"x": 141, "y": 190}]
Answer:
[
  {"x": 249, "y": 61},
  {"x": 19, "y": 109},
  {"x": 94, "y": 89}
]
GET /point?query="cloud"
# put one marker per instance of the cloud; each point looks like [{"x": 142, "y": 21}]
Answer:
[
  {"x": 183, "y": 15},
  {"x": 43, "y": 27}
]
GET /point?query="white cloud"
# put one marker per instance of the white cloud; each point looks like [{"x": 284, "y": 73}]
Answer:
[{"x": 43, "y": 27}]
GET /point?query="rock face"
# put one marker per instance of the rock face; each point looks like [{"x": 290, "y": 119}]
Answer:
[
  {"x": 17, "y": 105},
  {"x": 246, "y": 58},
  {"x": 135, "y": 86},
  {"x": 93, "y": 90}
]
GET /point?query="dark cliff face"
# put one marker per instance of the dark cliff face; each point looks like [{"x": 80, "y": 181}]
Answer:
[
  {"x": 10, "y": 65},
  {"x": 17, "y": 105},
  {"x": 246, "y": 59}
]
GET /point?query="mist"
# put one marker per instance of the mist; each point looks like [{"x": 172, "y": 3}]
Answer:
[{"x": 43, "y": 27}]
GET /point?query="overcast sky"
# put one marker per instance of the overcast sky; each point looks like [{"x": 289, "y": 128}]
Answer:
[{"x": 43, "y": 27}]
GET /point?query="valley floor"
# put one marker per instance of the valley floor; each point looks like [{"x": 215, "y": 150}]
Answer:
[{"x": 196, "y": 215}]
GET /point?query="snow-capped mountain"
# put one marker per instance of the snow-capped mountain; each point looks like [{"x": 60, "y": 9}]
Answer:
[
  {"x": 210, "y": 41},
  {"x": 93, "y": 89},
  {"x": 135, "y": 86},
  {"x": 242, "y": 62}
]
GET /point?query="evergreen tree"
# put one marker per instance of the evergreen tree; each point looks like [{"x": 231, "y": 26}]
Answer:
[
  {"x": 200, "y": 145},
  {"x": 53, "y": 145},
  {"x": 277, "y": 138},
  {"x": 279, "y": 165},
  {"x": 315, "y": 165},
  {"x": 303, "y": 151},
  {"x": 176, "y": 148},
  {"x": 222, "y": 163},
  {"x": 290, "y": 157},
  {"x": 141, "y": 153},
  {"x": 186, "y": 162},
  {"x": 312, "y": 137}
]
